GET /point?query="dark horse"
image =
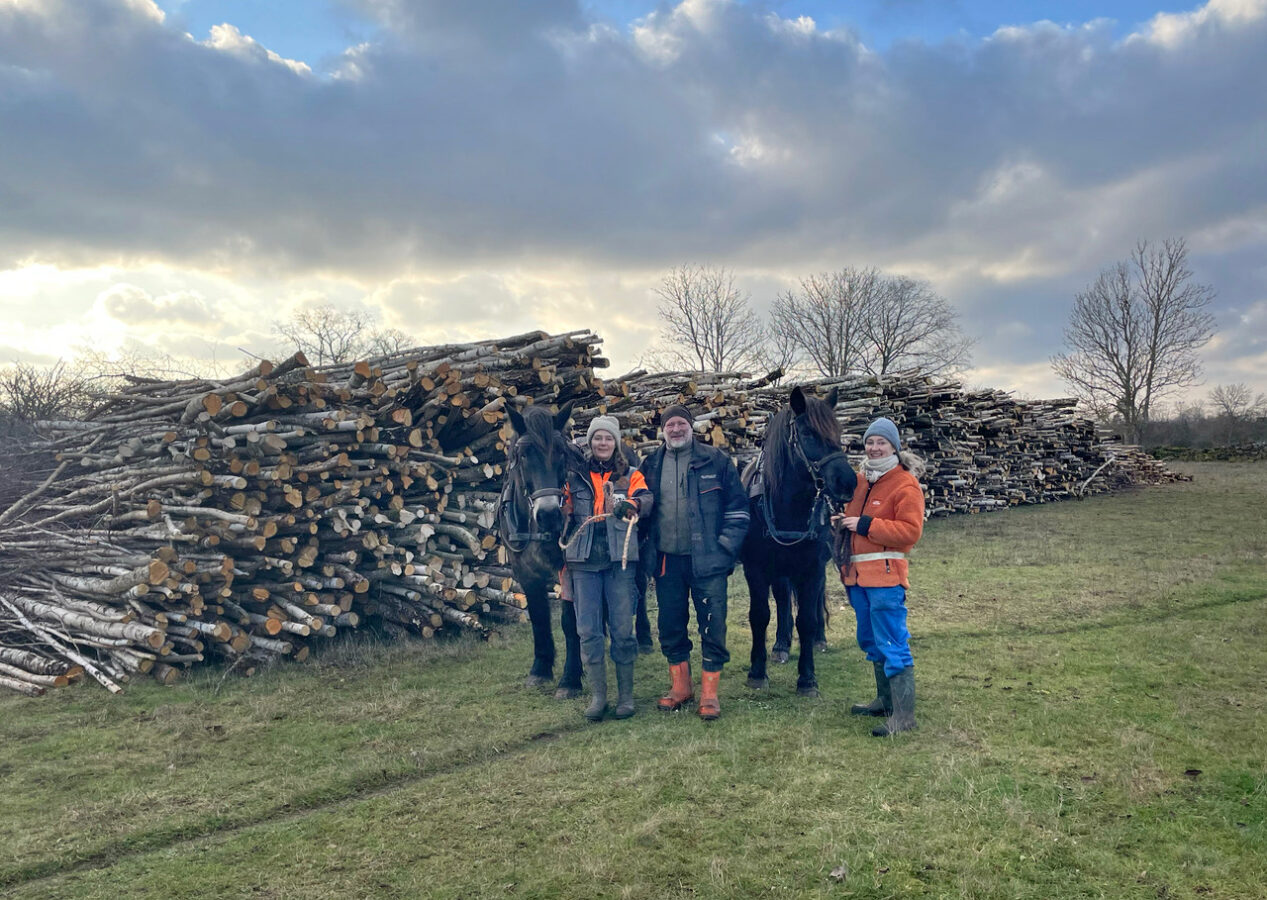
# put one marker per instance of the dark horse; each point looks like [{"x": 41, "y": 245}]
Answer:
[
  {"x": 529, "y": 522},
  {"x": 804, "y": 476}
]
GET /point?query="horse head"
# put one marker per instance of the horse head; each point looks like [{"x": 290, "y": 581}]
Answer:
[
  {"x": 815, "y": 435},
  {"x": 539, "y": 464}
]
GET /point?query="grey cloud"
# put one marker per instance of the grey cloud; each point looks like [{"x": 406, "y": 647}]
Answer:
[
  {"x": 497, "y": 136},
  {"x": 133, "y": 305}
]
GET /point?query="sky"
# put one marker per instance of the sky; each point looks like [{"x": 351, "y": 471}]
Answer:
[{"x": 176, "y": 176}]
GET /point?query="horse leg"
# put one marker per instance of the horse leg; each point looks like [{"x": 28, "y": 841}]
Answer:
[
  {"x": 642, "y": 624},
  {"x": 759, "y": 621},
  {"x": 542, "y": 671},
  {"x": 570, "y": 681},
  {"x": 820, "y": 633},
  {"x": 782, "y": 588},
  {"x": 806, "y": 627}
]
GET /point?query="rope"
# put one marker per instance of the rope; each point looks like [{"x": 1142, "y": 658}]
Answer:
[{"x": 624, "y": 555}]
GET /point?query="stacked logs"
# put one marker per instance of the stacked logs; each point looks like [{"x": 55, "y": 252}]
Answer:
[
  {"x": 241, "y": 520},
  {"x": 187, "y": 521},
  {"x": 984, "y": 449}
]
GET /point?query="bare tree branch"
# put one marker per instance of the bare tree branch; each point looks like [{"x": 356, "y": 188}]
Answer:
[
  {"x": 909, "y": 326},
  {"x": 30, "y": 393},
  {"x": 708, "y": 322},
  {"x": 328, "y": 335},
  {"x": 825, "y": 318},
  {"x": 1236, "y": 406},
  {"x": 1135, "y": 333}
]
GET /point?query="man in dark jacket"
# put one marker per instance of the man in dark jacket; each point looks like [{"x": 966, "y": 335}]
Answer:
[{"x": 699, "y": 522}]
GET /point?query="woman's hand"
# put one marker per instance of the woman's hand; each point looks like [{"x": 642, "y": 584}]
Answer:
[
  {"x": 625, "y": 509},
  {"x": 849, "y": 523}
]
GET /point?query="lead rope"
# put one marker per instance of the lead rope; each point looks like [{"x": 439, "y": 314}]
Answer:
[{"x": 624, "y": 554}]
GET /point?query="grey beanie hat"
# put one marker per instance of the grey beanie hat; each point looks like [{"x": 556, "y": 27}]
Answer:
[
  {"x": 885, "y": 429},
  {"x": 603, "y": 423}
]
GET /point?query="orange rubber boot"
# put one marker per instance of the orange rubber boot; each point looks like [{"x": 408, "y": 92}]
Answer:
[
  {"x": 680, "y": 691},
  {"x": 709, "y": 705}
]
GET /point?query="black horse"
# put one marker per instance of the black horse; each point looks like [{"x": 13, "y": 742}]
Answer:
[
  {"x": 804, "y": 475},
  {"x": 783, "y": 614},
  {"x": 529, "y": 522}
]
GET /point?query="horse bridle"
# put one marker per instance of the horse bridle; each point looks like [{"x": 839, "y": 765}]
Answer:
[
  {"x": 532, "y": 534},
  {"x": 816, "y": 467},
  {"x": 822, "y": 497}
]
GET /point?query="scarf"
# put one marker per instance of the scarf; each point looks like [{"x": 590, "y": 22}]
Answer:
[
  {"x": 875, "y": 469},
  {"x": 602, "y": 466}
]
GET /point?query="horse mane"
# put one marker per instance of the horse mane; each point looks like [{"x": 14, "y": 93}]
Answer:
[{"x": 777, "y": 446}]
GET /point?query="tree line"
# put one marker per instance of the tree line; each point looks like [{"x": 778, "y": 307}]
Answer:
[
  {"x": 833, "y": 323},
  {"x": 1132, "y": 343}
]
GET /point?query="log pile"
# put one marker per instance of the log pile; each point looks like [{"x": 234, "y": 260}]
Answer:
[
  {"x": 187, "y": 521},
  {"x": 984, "y": 449},
  {"x": 242, "y": 520}
]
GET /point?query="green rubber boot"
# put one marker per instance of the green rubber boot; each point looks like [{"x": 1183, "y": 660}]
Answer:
[
  {"x": 597, "y": 675},
  {"x": 624, "y": 691},
  {"x": 902, "y": 689},
  {"x": 882, "y": 705}
]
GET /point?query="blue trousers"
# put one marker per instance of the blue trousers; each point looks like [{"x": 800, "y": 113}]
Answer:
[
  {"x": 607, "y": 594},
  {"x": 882, "y": 634}
]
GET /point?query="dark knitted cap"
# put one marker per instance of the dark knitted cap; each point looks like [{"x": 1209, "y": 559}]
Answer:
[{"x": 677, "y": 409}]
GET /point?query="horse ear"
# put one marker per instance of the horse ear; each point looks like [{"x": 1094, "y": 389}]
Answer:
[
  {"x": 798, "y": 401},
  {"x": 517, "y": 422},
  {"x": 562, "y": 416},
  {"x": 833, "y": 397}
]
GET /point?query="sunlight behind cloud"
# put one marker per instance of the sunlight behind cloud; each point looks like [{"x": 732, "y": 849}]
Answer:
[{"x": 227, "y": 39}]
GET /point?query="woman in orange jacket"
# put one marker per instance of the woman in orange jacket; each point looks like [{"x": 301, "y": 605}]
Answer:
[{"x": 884, "y": 519}]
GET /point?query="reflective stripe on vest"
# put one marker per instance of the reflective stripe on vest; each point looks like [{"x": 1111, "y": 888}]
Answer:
[{"x": 868, "y": 557}]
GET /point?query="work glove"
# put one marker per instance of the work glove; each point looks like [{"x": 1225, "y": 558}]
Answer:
[{"x": 624, "y": 509}]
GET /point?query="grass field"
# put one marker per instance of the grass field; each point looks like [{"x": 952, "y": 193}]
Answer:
[{"x": 1093, "y": 704}]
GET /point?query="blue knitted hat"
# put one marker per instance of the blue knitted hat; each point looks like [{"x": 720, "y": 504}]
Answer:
[{"x": 885, "y": 429}]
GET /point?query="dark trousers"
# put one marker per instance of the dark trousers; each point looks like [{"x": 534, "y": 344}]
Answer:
[
  {"x": 674, "y": 582},
  {"x": 608, "y": 594}
]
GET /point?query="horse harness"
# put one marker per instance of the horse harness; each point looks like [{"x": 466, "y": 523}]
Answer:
[{"x": 823, "y": 507}]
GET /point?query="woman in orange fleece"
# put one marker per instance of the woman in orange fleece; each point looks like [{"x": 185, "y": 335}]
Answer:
[
  {"x": 604, "y": 503},
  {"x": 884, "y": 519}
]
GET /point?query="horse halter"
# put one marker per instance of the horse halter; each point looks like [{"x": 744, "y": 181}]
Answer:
[
  {"x": 523, "y": 538},
  {"x": 823, "y": 500},
  {"x": 816, "y": 467}
]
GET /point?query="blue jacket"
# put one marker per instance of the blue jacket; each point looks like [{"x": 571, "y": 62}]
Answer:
[{"x": 718, "y": 517}]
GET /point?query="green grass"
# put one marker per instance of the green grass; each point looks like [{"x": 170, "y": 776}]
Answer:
[{"x": 1092, "y": 695}]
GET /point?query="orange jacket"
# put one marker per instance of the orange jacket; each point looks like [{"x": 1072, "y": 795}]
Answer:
[{"x": 892, "y": 520}]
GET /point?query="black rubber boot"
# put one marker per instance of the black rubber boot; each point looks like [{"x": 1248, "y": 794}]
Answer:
[
  {"x": 624, "y": 691},
  {"x": 597, "y": 676},
  {"x": 902, "y": 689},
  {"x": 882, "y": 705}
]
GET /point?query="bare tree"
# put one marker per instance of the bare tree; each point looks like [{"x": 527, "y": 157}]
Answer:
[
  {"x": 1135, "y": 333},
  {"x": 826, "y": 317},
  {"x": 327, "y": 334},
  {"x": 708, "y": 323},
  {"x": 907, "y": 325},
  {"x": 30, "y": 393},
  {"x": 1237, "y": 406},
  {"x": 780, "y": 351},
  {"x": 388, "y": 341}
]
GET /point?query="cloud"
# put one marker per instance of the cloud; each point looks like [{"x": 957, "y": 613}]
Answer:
[
  {"x": 450, "y": 168},
  {"x": 132, "y": 305},
  {"x": 227, "y": 39}
]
